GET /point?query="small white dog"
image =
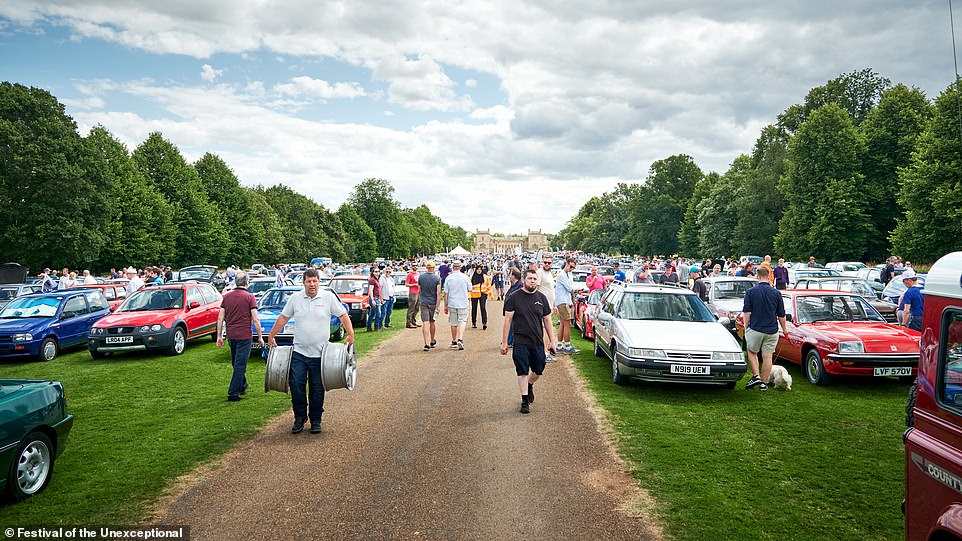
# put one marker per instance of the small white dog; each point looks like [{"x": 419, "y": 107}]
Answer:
[{"x": 780, "y": 376}]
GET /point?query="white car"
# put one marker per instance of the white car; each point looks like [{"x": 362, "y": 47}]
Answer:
[
  {"x": 400, "y": 288},
  {"x": 846, "y": 268},
  {"x": 664, "y": 333}
]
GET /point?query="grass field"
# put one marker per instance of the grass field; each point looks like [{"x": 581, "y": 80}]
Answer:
[
  {"x": 142, "y": 420},
  {"x": 815, "y": 463}
]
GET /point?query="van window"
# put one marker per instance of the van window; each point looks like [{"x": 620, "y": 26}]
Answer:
[{"x": 950, "y": 357}]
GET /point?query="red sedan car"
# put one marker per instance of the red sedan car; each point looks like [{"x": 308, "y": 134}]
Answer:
[
  {"x": 585, "y": 306},
  {"x": 158, "y": 318},
  {"x": 835, "y": 333}
]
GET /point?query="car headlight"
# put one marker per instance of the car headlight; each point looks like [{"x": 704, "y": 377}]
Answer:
[
  {"x": 727, "y": 356},
  {"x": 355, "y": 306},
  {"x": 647, "y": 353},
  {"x": 97, "y": 330},
  {"x": 156, "y": 327},
  {"x": 22, "y": 337},
  {"x": 145, "y": 328},
  {"x": 851, "y": 347}
]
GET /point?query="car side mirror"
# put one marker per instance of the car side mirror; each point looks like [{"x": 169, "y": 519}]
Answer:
[
  {"x": 605, "y": 316},
  {"x": 192, "y": 305},
  {"x": 788, "y": 318}
]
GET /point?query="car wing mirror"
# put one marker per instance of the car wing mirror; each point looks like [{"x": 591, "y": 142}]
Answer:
[
  {"x": 193, "y": 304},
  {"x": 788, "y": 317}
]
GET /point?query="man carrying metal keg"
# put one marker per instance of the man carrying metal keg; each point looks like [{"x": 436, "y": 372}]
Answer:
[{"x": 312, "y": 308}]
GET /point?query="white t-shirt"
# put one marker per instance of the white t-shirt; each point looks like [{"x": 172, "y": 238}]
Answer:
[
  {"x": 546, "y": 284},
  {"x": 456, "y": 287},
  {"x": 312, "y": 320},
  {"x": 134, "y": 284},
  {"x": 387, "y": 287}
]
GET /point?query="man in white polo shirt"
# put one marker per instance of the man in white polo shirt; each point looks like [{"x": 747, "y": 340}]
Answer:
[
  {"x": 455, "y": 290},
  {"x": 312, "y": 308}
]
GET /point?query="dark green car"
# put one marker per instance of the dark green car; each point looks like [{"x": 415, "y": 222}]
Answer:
[{"x": 34, "y": 425}]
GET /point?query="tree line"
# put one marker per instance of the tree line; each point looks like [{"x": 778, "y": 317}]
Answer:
[
  {"x": 86, "y": 202},
  {"x": 859, "y": 170}
]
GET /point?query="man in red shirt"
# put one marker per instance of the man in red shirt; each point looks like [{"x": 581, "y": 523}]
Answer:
[
  {"x": 414, "y": 300},
  {"x": 239, "y": 311}
]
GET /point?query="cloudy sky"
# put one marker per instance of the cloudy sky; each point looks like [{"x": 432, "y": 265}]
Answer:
[{"x": 505, "y": 115}]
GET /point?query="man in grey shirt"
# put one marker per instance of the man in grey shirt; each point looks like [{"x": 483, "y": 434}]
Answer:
[
  {"x": 312, "y": 308},
  {"x": 429, "y": 289},
  {"x": 456, "y": 287}
]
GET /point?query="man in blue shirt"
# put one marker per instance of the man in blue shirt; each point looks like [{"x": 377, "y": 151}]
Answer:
[
  {"x": 763, "y": 313},
  {"x": 911, "y": 301},
  {"x": 619, "y": 274}
]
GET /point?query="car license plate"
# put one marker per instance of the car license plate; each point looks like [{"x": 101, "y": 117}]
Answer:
[
  {"x": 696, "y": 369},
  {"x": 120, "y": 339},
  {"x": 894, "y": 371}
]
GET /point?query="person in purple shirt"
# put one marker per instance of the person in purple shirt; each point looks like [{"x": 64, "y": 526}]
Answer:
[{"x": 443, "y": 272}]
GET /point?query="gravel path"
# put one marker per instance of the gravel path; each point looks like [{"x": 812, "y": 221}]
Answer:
[{"x": 429, "y": 445}]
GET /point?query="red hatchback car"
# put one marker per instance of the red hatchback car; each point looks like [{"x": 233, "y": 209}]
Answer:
[
  {"x": 160, "y": 318},
  {"x": 836, "y": 333},
  {"x": 114, "y": 293}
]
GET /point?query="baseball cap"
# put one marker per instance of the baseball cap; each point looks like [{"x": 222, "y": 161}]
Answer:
[
  {"x": 429, "y": 264},
  {"x": 909, "y": 274},
  {"x": 694, "y": 268}
]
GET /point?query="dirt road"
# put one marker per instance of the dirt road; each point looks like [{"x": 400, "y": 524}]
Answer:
[{"x": 430, "y": 445}]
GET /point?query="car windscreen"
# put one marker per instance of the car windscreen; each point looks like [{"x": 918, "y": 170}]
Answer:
[
  {"x": 735, "y": 289},
  {"x": 579, "y": 277},
  {"x": 850, "y": 267},
  {"x": 595, "y": 296},
  {"x": 816, "y": 308},
  {"x": 195, "y": 274},
  {"x": 896, "y": 286},
  {"x": 153, "y": 299},
  {"x": 348, "y": 287},
  {"x": 31, "y": 307},
  {"x": 399, "y": 279},
  {"x": 8, "y": 293},
  {"x": 260, "y": 286},
  {"x": 663, "y": 306},
  {"x": 859, "y": 287},
  {"x": 275, "y": 299}
]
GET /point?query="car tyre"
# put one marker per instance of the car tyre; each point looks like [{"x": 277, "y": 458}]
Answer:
[
  {"x": 814, "y": 369},
  {"x": 339, "y": 334},
  {"x": 48, "y": 349},
  {"x": 31, "y": 467},
  {"x": 97, "y": 354},
  {"x": 178, "y": 342},
  {"x": 600, "y": 353},
  {"x": 616, "y": 375}
]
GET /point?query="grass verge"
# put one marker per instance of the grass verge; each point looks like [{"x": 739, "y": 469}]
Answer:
[
  {"x": 815, "y": 463},
  {"x": 142, "y": 420}
]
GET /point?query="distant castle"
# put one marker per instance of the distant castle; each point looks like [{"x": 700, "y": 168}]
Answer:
[{"x": 534, "y": 242}]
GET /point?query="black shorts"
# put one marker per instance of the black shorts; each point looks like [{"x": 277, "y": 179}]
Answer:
[{"x": 528, "y": 359}]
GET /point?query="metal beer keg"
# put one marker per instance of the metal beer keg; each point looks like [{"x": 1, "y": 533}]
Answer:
[{"x": 338, "y": 367}]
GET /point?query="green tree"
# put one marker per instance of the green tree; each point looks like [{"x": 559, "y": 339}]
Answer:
[
  {"x": 373, "y": 199},
  {"x": 690, "y": 233},
  {"x": 857, "y": 93},
  {"x": 826, "y": 213},
  {"x": 54, "y": 198},
  {"x": 656, "y": 213},
  {"x": 304, "y": 237},
  {"x": 361, "y": 243},
  {"x": 931, "y": 192},
  {"x": 719, "y": 215},
  {"x": 273, "y": 248},
  {"x": 759, "y": 203},
  {"x": 246, "y": 236},
  {"x": 201, "y": 236},
  {"x": 139, "y": 226},
  {"x": 891, "y": 132}
]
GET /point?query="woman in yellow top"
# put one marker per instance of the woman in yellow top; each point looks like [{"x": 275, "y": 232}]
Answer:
[{"x": 479, "y": 293}]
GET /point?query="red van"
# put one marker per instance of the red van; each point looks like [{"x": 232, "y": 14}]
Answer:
[{"x": 933, "y": 440}]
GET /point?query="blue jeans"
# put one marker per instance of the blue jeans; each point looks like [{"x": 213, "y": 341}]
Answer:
[
  {"x": 374, "y": 315},
  {"x": 387, "y": 309},
  {"x": 306, "y": 371},
  {"x": 240, "y": 350}
]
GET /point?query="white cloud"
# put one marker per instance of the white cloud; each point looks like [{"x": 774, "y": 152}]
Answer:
[
  {"x": 592, "y": 92},
  {"x": 208, "y": 73},
  {"x": 307, "y": 87}
]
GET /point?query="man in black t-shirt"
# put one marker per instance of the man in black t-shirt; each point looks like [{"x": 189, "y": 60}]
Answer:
[{"x": 530, "y": 313}]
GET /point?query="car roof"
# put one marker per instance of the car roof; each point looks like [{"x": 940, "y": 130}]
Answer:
[
  {"x": 811, "y": 292},
  {"x": 59, "y": 293}
]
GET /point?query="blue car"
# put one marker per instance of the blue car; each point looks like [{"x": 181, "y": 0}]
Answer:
[
  {"x": 41, "y": 324},
  {"x": 270, "y": 306}
]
